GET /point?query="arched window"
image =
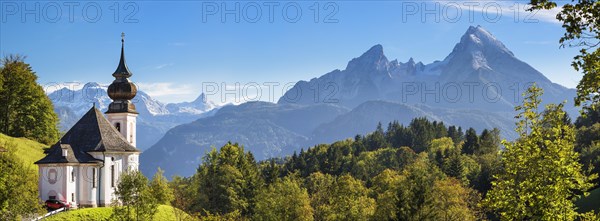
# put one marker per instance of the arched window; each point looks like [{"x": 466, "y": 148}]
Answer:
[{"x": 118, "y": 126}]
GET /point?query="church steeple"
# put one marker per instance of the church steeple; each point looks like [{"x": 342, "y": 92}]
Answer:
[
  {"x": 122, "y": 90},
  {"x": 121, "y": 112},
  {"x": 122, "y": 70}
]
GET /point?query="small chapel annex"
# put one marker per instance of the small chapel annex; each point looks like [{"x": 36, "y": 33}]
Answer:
[{"x": 84, "y": 166}]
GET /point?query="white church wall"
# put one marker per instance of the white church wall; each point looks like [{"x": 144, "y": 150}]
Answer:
[
  {"x": 86, "y": 192},
  {"x": 125, "y": 124},
  {"x": 70, "y": 185},
  {"x": 131, "y": 161},
  {"x": 110, "y": 177},
  {"x": 52, "y": 182}
]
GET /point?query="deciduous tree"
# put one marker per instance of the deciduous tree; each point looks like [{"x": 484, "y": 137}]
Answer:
[
  {"x": 26, "y": 111},
  {"x": 541, "y": 173},
  {"x": 284, "y": 199}
]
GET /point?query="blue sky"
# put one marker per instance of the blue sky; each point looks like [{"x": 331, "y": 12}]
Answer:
[{"x": 174, "y": 48}]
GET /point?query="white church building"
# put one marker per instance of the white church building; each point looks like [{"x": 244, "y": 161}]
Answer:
[{"x": 84, "y": 166}]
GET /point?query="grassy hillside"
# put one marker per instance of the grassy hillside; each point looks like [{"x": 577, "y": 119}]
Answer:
[
  {"x": 591, "y": 202},
  {"x": 165, "y": 213},
  {"x": 28, "y": 151}
]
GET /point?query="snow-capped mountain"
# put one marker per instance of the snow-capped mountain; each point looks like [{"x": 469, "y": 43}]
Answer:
[
  {"x": 199, "y": 106},
  {"x": 477, "y": 85},
  {"x": 480, "y": 73},
  {"x": 154, "y": 118}
]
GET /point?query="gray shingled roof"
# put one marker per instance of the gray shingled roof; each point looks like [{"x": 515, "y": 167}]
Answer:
[{"x": 92, "y": 133}]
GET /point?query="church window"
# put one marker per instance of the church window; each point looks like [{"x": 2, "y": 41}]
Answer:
[
  {"x": 112, "y": 175},
  {"x": 73, "y": 175},
  {"x": 52, "y": 176},
  {"x": 93, "y": 177},
  {"x": 118, "y": 126}
]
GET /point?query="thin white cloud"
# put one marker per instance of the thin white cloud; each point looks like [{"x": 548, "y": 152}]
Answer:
[
  {"x": 161, "y": 66},
  {"x": 161, "y": 89},
  {"x": 494, "y": 10}
]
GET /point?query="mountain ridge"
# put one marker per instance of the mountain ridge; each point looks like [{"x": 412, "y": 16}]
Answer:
[{"x": 154, "y": 118}]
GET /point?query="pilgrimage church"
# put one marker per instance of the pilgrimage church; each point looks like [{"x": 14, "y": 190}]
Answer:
[{"x": 84, "y": 166}]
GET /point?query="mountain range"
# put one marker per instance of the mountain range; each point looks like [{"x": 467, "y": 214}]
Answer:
[
  {"x": 154, "y": 119},
  {"x": 477, "y": 85}
]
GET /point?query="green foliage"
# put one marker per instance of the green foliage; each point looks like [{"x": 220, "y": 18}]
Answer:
[
  {"x": 489, "y": 165},
  {"x": 284, "y": 199},
  {"x": 270, "y": 170},
  {"x": 319, "y": 187},
  {"x": 384, "y": 189},
  {"x": 232, "y": 216},
  {"x": 588, "y": 140},
  {"x": 541, "y": 174},
  {"x": 135, "y": 199},
  {"x": 489, "y": 142},
  {"x": 184, "y": 195},
  {"x": 589, "y": 202},
  {"x": 18, "y": 186},
  {"x": 26, "y": 111},
  {"x": 581, "y": 21},
  {"x": 452, "y": 201},
  {"x": 454, "y": 166},
  {"x": 341, "y": 198},
  {"x": 586, "y": 135},
  {"x": 471, "y": 144},
  {"x": 415, "y": 198},
  {"x": 589, "y": 117},
  {"x": 590, "y": 158},
  {"x": 441, "y": 145},
  {"x": 369, "y": 164},
  {"x": 164, "y": 213},
  {"x": 25, "y": 150},
  {"x": 456, "y": 134},
  {"x": 159, "y": 188},
  {"x": 227, "y": 181},
  {"x": 377, "y": 139},
  {"x": 423, "y": 133},
  {"x": 374, "y": 177}
]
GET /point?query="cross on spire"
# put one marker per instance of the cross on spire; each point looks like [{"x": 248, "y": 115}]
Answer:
[{"x": 122, "y": 36}]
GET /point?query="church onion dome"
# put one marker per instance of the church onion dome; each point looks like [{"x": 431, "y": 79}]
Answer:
[{"x": 122, "y": 88}]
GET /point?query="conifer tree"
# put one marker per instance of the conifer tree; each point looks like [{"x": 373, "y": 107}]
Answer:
[{"x": 471, "y": 142}]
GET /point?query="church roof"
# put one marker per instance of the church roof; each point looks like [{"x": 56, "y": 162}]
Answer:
[{"x": 92, "y": 133}]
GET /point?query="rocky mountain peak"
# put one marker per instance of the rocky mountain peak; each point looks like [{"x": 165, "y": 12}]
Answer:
[{"x": 372, "y": 59}]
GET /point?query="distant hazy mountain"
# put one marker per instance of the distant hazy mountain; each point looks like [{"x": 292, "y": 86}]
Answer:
[
  {"x": 476, "y": 85},
  {"x": 265, "y": 129},
  {"x": 154, "y": 120},
  {"x": 364, "y": 119}
]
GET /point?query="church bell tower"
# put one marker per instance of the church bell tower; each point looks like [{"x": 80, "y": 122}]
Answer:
[{"x": 121, "y": 112}]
